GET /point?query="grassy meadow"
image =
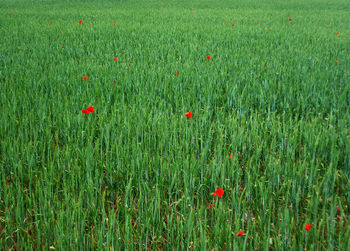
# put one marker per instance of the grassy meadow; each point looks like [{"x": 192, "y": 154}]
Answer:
[{"x": 270, "y": 125}]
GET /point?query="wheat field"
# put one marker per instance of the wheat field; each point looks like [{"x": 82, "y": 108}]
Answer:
[{"x": 175, "y": 125}]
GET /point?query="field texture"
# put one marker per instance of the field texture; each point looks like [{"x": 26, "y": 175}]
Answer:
[{"x": 175, "y": 125}]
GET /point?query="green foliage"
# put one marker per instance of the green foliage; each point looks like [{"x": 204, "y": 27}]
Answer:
[{"x": 138, "y": 174}]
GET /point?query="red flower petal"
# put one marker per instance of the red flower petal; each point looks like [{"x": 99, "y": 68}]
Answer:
[
  {"x": 258, "y": 23},
  {"x": 290, "y": 19},
  {"x": 240, "y": 233},
  {"x": 62, "y": 47},
  {"x": 188, "y": 114},
  {"x": 307, "y": 227},
  {"x": 211, "y": 205},
  {"x": 86, "y": 78},
  {"x": 80, "y": 21},
  {"x": 231, "y": 155},
  {"x": 208, "y": 57},
  {"x": 219, "y": 192},
  {"x": 115, "y": 24},
  {"x": 233, "y": 25},
  {"x": 85, "y": 111},
  {"x": 338, "y": 209},
  {"x": 90, "y": 109},
  {"x": 268, "y": 27},
  {"x": 115, "y": 59},
  {"x": 129, "y": 63},
  {"x": 337, "y": 33}
]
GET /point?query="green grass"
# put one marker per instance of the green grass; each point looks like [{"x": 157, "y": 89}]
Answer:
[{"x": 138, "y": 174}]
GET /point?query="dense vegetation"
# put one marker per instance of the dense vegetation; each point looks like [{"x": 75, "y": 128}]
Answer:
[{"x": 270, "y": 125}]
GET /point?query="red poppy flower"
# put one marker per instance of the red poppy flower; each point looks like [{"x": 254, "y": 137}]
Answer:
[
  {"x": 62, "y": 47},
  {"x": 115, "y": 24},
  {"x": 49, "y": 24},
  {"x": 336, "y": 60},
  {"x": 129, "y": 63},
  {"x": 211, "y": 205},
  {"x": 240, "y": 233},
  {"x": 86, "y": 78},
  {"x": 233, "y": 25},
  {"x": 231, "y": 155},
  {"x": 85, "y": 111},
  {"x": 188, "y": 114},
  {"x": 268, "y": 27},
  {"x": 80, "y": 21},
  {"x": 208, "y": 57},
  {"x": 113, "y": 85},
  {"x": 90, "y": 109},
  {"x": 290, "y": 19},
  {"x": 338, "y": 210},
  {"x": 329, "y": 26},
  {"x": 219, "y": 192},
  {"x": 258, "y": 23},
  {"x": 115, "y": 59},
  {"x": 307, "y": 227},
  {"x": 175, "y": 73},
  {"x": 337, "y": 33},
  {"x": 203, "y": 218}
]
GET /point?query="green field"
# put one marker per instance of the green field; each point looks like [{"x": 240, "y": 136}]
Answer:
[{"x": 270, "y": 125}]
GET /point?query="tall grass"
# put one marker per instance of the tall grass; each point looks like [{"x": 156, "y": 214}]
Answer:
[{"x": 137, "y": 173}]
